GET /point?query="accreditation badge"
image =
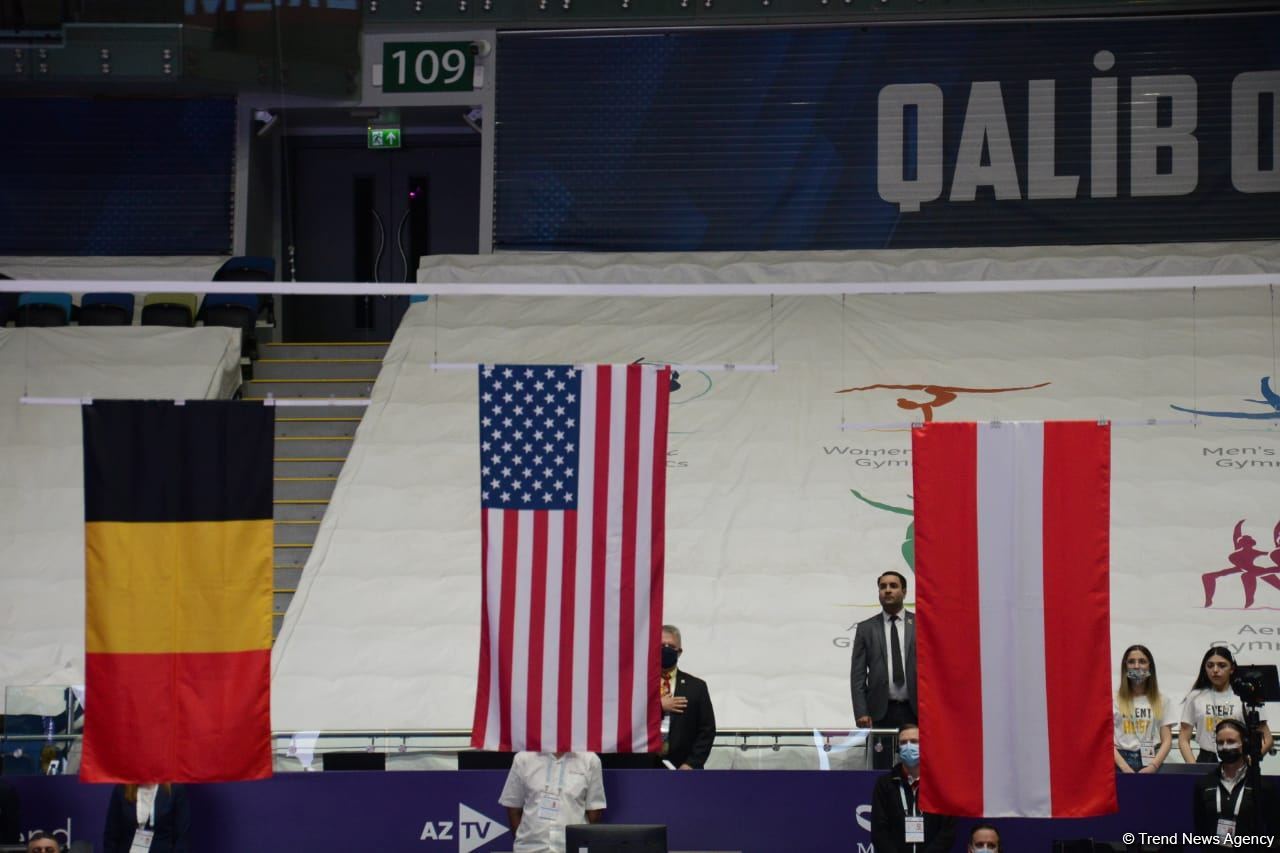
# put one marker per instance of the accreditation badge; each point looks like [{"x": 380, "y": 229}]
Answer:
[
  {"x": 141, "y": 841},
  {"x": 549, "y": 806}
]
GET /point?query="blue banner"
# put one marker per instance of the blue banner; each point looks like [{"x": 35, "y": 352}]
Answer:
[
  {"x": 458, "y": 812},
  {"x": 959, "y": 134}
]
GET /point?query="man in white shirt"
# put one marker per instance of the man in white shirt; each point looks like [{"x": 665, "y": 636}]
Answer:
[{"x": 545, "y": 792}]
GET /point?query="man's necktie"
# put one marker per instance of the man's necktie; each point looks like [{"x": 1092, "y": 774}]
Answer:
[{"x": 895, "y": 652}]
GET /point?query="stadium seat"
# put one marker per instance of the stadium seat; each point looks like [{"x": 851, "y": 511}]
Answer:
[
  {"x": 169, "y": 309},
  {"x": 106, "y": 309},
  {"x": 240, "y": 310},
  {"x": 43, "y": 309},
  {"x": 236, "y": 311}
]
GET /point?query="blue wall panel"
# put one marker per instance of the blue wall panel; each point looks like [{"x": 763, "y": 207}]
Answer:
[
  {"x": 88, "y": 176},
  {"x": 771, "y": 138}
]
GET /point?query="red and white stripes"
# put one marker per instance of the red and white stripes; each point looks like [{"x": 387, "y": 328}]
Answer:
[
  {"x": 1012, "y": 549},
  {"x": 572, "y": 598}
]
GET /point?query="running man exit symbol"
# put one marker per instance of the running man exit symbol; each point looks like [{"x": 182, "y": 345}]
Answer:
[{"x": 384, "y": 137}]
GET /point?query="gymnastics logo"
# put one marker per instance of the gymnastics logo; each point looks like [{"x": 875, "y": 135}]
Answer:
[
  {"x": 909, "y": 537},
  {"x": 938, "y": 395},
  {"x": 1270, "y": 399},
  {"x": 1245, "y": 560}
]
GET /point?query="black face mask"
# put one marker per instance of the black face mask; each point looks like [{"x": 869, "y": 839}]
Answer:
[
  {"x": 1227, "y": 756},
  {"x": 669, "y": 657}
]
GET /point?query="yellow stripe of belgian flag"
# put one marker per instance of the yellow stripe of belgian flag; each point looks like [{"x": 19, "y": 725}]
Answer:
[
  {"x": 178, "y": 527},
  {"x": 196, "y": 586}
]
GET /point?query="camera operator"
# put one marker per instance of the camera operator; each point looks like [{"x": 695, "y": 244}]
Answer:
[{"x": 1233, "y": 799}]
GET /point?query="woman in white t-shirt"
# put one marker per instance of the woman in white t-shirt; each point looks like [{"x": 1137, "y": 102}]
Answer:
[
  {"x": 1211, "y": 700},
  {"x": 1143, "y": 719}
]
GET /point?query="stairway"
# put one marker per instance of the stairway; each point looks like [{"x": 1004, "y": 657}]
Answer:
[{"x": 312, "y": 442}]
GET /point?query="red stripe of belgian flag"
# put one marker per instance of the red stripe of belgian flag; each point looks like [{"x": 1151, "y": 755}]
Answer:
[{"x": 178, "y": 563}]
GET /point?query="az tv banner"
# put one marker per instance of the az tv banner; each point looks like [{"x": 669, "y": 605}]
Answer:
[{"x": 971, "y": 134}]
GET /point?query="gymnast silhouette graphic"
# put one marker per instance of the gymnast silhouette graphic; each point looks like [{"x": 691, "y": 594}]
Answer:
[
  {"x": 1269, "y": 398},
  {"x": 939, "y": 395},
  {"x": 1243, "y": 562}
]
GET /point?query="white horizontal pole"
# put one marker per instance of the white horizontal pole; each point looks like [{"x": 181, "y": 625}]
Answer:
[
  {"x": 727, "y": 367},
  {"x": 278, "y": 402},
  {"x": 346, "y": 288},
  {"x": 1133, "y": 422}
]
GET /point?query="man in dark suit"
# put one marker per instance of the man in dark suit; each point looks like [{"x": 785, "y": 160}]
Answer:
[
  {"x": 688, "y": 720},
  {"x": 882, "y": 678},
  {"x": 10, "y": 814}
]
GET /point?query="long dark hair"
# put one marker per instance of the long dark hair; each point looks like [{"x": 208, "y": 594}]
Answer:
[
  {"x": 1202, "y": 678},
  {"x": 131, "y": 791}
]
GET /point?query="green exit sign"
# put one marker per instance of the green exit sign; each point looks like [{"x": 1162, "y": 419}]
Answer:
[
  {"x": 384, "y": 137},
  {"x": 440, "y": 66}
]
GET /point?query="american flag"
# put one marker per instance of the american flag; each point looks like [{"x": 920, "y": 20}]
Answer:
[{"x": 572, "y": 495}]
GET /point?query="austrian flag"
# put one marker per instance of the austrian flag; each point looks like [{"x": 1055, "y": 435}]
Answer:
[
  {"x": 572, "y": 501},
  {"x": 1013, "y": 628}
]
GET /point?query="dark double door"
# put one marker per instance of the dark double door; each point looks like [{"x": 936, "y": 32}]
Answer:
[{"x": 367, "y": 216}]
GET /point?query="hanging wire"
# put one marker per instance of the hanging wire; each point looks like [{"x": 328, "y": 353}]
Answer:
[
  {"x": 1195, "y": 359},
  {"x": 773, "y": 349},
  {"x": 435, "y": 351},
  {"x": 1274, "y": 369},
  {"x": 844, "y": 377},
  {"x": 26, "y": 361},
  {"x": 286, "y": 195}
]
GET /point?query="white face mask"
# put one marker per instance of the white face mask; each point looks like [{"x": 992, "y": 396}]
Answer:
[{"x": 983, "y": 847}]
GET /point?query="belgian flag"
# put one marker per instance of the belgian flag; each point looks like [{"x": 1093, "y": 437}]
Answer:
[{"x": 178, "y": 577}]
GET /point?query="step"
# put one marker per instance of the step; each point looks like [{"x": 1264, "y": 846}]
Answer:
[
  {"x": 317, "y": 368},
  {"x": 322, "y": 466},
  {"x": 320, "y": 411},
  {"x": 354, "y": 349},
  {"x": 345, "y": 388},
  {"x": 300, "y": 510},
  {"x": 296, "y": 532},
  {"x": 303, "y": 488},
  {"x": 280, "y": 599},
  {"x": 291, "y": 556},
  {"x": 289, "y": 426},
  {"x": 294, "y": 447},
  {"x": 286, "y": 577}
]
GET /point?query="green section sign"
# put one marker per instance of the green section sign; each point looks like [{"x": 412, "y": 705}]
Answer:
[
  {"x": 384, "y": 137},
  {"x": 441, "y": 66}
]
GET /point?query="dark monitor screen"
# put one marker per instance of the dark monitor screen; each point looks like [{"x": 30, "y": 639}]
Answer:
[{"x": 615, "y": 838}]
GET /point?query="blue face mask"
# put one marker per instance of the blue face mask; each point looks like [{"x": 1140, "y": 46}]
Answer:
[{"x": 909, "y": 753}]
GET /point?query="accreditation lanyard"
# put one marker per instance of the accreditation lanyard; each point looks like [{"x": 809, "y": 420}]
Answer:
[
  {"x": 913, "y": 824},
  {"x": 549, "y": 803},
  {"x": 1227, "y": 826},
  {"x": 145, "y": 811}
]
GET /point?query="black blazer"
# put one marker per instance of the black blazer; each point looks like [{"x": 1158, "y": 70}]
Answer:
[
  {"x": 10, "y": 814},
  {"x": 1259, "y": 810},
  {"x": 173, "y": 818},
  {"x": 869, "y": 673},
  {"x": 692, "y": 732},
  {"x": 888, "y": 820}
]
